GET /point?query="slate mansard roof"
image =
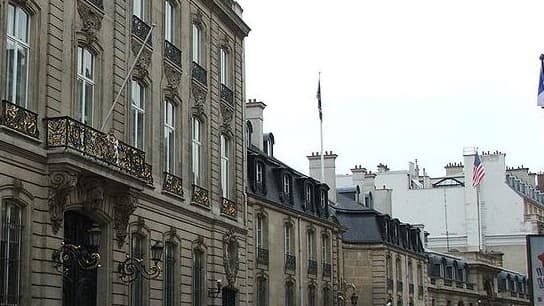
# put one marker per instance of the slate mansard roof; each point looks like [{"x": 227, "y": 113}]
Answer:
[
  {"x": 271, "y": 189},
  {"x": 368, "y": 226}
]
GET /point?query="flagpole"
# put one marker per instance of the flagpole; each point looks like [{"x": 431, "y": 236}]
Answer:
[{"x": 321, "y": 136}]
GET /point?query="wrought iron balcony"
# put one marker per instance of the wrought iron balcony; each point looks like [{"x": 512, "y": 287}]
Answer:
[
  {"x": 227, "y": 95},
  {"x": 399, "y": 285},
  {"x": 140, "y": 29},
  {"x": 71, "y": 134},
  {"x": 172, "y": 184},
  {"x": 20, "y": 119},
  {"x": 229, "y": 208},
  {"x": 172, "y": 53},
  {"x": 200, "y": 196},
  {"x": 312, "y": 267},
  {"x": 290, "y": 262},
  {"x": 200, "y": 74},
  {"x": 97, "y": 3},
  {"x": 411, "y": 288},
  {"x": 389, "y": 284},
  {"x": 262, "y": 256},
  {"x": 327, "y": 270}
]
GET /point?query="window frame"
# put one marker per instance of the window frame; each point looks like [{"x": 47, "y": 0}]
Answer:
[
  {"x": 140, "y": 11},
  {"x": 326, "y": 249},
  {"x": 196, "y": 150},
  {"x": 18, "y": 43},
  {"x": 169, "y": 136},
  {"x": 82, "y": 81},
  {"x": 169, "y": 21},
  {"x": 290, "y": 293},
  {"x": 198, "y": 294},
  {"x": 196, "y": 43},
  {"x": 170, "y": 273},
  {"x": 261, "y": 293},
  {"x": 9, "y": 204},
  {"x": 137, "y": 298},
  {"x": 288, "y": 242},
  {"x": 224, "y": 66},
  {"x": 311, "y": 245},
  {"x": 261, "y": 232},
  {"x": 225, "y": 151},
  {"x": 138, "y": 141},
  {"x": 312, "y": 295}
]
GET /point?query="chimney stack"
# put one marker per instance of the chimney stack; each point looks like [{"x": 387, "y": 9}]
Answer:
[
  {"x": 329, "y": 160},
  {"x": 254, "y": 113}
]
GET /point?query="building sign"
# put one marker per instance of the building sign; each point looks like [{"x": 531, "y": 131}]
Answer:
[{"x": 535, "y": 259}]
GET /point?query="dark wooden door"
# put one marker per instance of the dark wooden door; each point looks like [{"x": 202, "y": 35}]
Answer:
[
  {"x": 229, "y": 297},
  {"x": 79, "y": 285}
]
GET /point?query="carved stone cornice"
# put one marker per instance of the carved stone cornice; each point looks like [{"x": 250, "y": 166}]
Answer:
[
  {"x": 61, "y": 183},
  {"x": 123, "y": 208},
  {"x": 92, "y": 192},
  {"x": 141, "y": 69},
  {"x": 199, "y": 98},
  {"x": 231, "y": 261},
  {"x": 91, "y": 20}
]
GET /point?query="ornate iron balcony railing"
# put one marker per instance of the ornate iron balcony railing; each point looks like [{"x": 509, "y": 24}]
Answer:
[
  {"x": 312, "y": 267},
  {"x": 140, "y": 29},
  {"x": 327, "y": 270},
  {"x": 290, "y": 262},
  {"x": 172, "y": 184},
  {"x": 20, "y": 119},
  {"x": 227, "y": 95},
  {"x": 69, "y": 133},
  {"x": 262, "y": 256},
  {"x": 229, "y": 208},
  {"x": 172, "y": 53},
  {"x": 97, "y": 3},
  {"x": 200, "y": 74},
  {"x": 200, "y": 196}
]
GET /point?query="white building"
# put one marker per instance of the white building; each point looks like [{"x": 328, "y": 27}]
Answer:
[{"x": 510, "y": 205}]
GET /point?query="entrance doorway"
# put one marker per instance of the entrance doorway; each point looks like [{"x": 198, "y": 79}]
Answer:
[
  {"x": 229, "y": 296},
  {"x": 79, "y": 285}
]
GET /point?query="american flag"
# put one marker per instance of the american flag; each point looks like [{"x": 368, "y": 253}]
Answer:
[
  {"x": 318, "y": 96},
  {"x": 478, "y": 171}
]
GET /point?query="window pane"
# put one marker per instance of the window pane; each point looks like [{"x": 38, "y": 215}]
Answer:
[
  {"x": 170, "y": 274},
  {"x": 89, "y": 91},
  {"x": 10, "y": 245},
  {"x": 137, "y": 285},
  {"x": 21, "y": 26},
  {"x": 138, "y": 8},
  {"x": 140, "y": 131},
  {"x": 11, "y": 71},
  {"x": 196, "y": 44},
  {"x": 88, "y": 62},
  {"x": 168, "y": 21},
  {"x": 11, "y": 20}
]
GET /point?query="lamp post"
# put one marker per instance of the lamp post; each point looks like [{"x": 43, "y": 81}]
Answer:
[
  {"x": 132, "y": 267},
  {"x": 342, "y": 295},
  {"x": 214, "y": 291},
  {"x": 69, "y": 256}
]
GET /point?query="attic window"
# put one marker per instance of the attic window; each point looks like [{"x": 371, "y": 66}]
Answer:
[
  {"x": 308, "y": 194},
  {"x": 286, "y": 187},
  {"x": 268, "y": 147}
]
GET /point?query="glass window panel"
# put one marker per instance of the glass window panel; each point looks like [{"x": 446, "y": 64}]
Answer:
[
  {"x": 140, "y": 130},
  {"x": 10, "y": 246},
  {"x": 11, "y": 71},
  {"x": 170, "y": 277},
  {"x": 169, "y": 21},
  {"x": 21, "y": 28},
  {"x": 88, "y": 62},
  {"x": 88, "y": 117},
  {"x": 196, "y": 43},
  {"x": 11, "y": 20},
  {"x": 138, "y": 8}
]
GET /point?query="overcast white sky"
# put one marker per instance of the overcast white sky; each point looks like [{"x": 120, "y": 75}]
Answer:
[{"x": 400, "y": 79}]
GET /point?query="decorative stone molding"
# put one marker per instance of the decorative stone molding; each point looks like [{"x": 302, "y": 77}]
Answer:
[
  {"x": 227, "y": 115},
  {"x": 198, "y": 244},
  {"x": 173, "y": 78},
  {"x": 92, "y": 191},
  {"x": 231, "y": 261},
  {"x": 91, "y": 20},
  {"x": 198, "y": 19},
  {"x": 61, "y": 183},
  {"x": 141, "y": 69},
  {"x": 17, "y": 187},
  {"x": 199, "y": 96},
  {"x": 124, "y": 207}
]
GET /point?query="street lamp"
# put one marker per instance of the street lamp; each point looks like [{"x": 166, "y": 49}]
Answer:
[
  {"x": 214, "y": 292},
  {"x": 69, "y": 256},
  {"x": 132, "y": 267},
  {"x": 342, "y": 295},
  {"x": 354, "y": 298},
  {"x": 389, "y": 302}
]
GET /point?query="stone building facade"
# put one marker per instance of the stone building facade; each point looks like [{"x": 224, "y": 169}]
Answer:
[
  {"x": 164, "y": 167},
  {"x": 383, "y": 258},
  {"x": 473, "y": 279},
  {"x": 296, "y": 242}
]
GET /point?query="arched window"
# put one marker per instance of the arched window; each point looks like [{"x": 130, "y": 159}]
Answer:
[
  {"x": 10, "y": 253},
  {"x": 197, "y": 151},
  {"x": 170, "y": 251},
  {"x": 225, "y": 166},
  {"x": 85, "y": 85},
  {"x": 198, "y": 278},
  {"x": 137, "y": 115},
  {"x": 137, "y": 286},
  {"x": 289, "y": 293},
  {"x": 17, "y": 55},
  {"x": 249, "y": 131},
  {"x": 262, "y": 291},
  {"x": 169, "y": 137}
]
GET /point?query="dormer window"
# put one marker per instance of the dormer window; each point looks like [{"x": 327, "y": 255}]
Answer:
[
  {"x": 286, "y": 188},
  {"x": 260, "y": 177},
  {"x": 249, "y": 131},
  {"x": 268, "y": 144},
  {"x": 308, "y": 194},
  {"x": 323, "y": 199},
  {"x": 259, "y": 173}
]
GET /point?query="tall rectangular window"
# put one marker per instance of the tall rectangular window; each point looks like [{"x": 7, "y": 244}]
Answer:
[
  {"x": 198, "y": 278},
  {"x": 262, "y": 295},
  {"x": 225, "y": 173},
  {"x": 325, "y": 249},
  {"x": 170, "y": 274},
  {"x": 137, "y": 286},
  {"x": 10, "y": 253},
  {"x": 224, "y": 66},
  {"x": 196, "y": 150},
  {"x": 311, "y": 246},
  {"x": 259, "y": 173},
  {"x": 85, "y": 85},
  {"x": 311, "y": 296},
  {"x": 17, "y": 55},
  {"x": 138, "y": 8},
  {"x": 197, "y": 44},
  {"x": 260, "y": 231},
  {"x": 169, "y": 136},
  {"x": 289, "y": 294},
  {"x": 309, "y": 194},
  {"x": 169, "y": 19},
  {"x": 327, "y": 296},
  {"x": 137, "y": 113},
  {"x": 287, "y": 240}
]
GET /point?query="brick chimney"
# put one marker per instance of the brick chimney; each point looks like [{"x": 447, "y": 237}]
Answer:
[
  {"x": 254, "y": 114},
  {"x": 358, "y": 173},
  {"x": 454, "y": 169},
  {"x": 540, "y": 182},
  {"x": 329, "y": 160}
]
